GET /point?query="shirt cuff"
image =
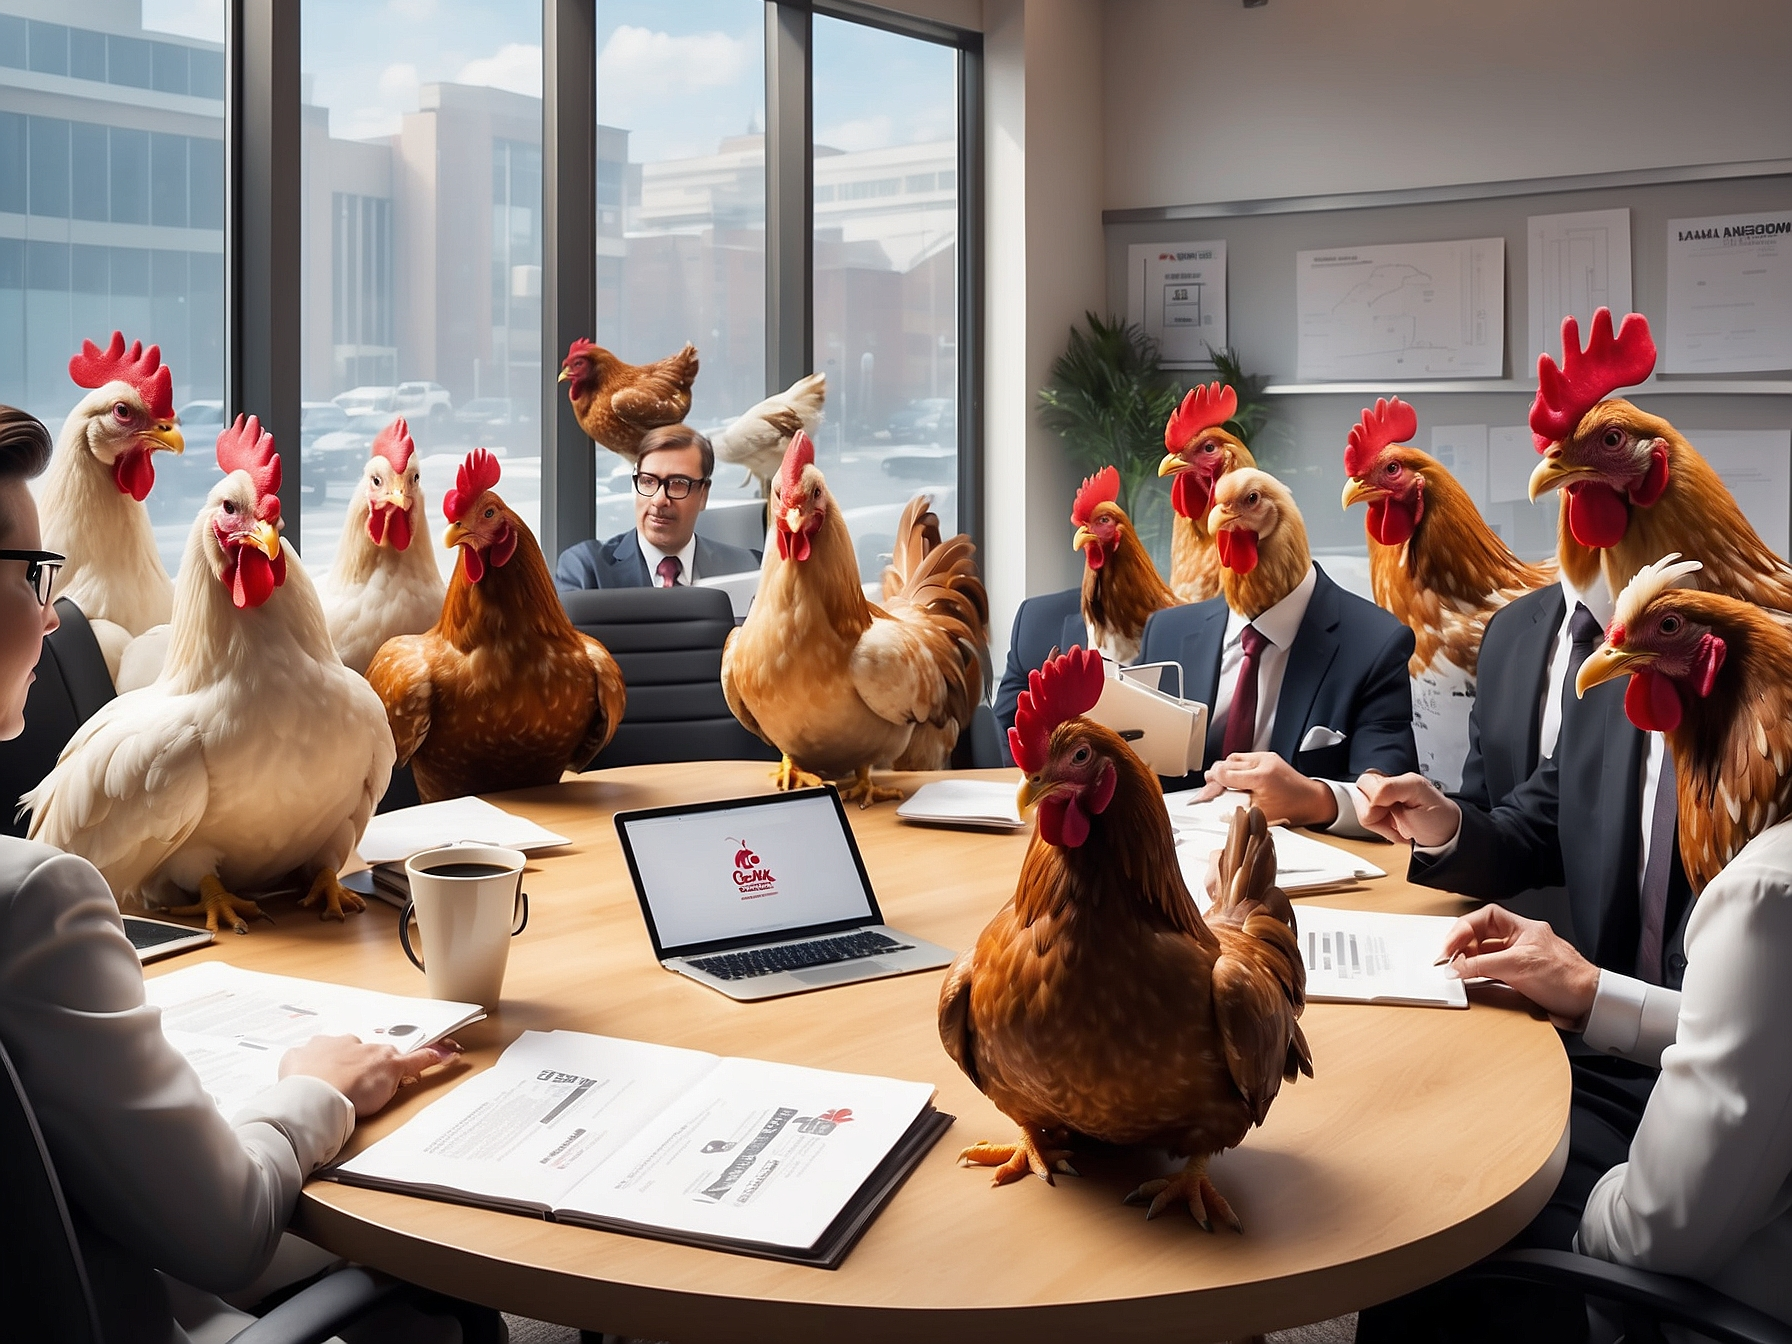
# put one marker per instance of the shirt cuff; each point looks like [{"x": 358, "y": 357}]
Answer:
[
  {"x": 1349, "y": 821},
  {"x": 1442, "y": 851},
  {"x": 315, "y": 1118},
  {"x": 1632, "y": 1019}
]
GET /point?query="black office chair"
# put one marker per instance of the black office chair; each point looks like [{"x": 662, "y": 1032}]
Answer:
[
  {"x": 72, "y": 683},
  {"x": 668, "y": 642},
  {"x": 1645, "y": 1300}
]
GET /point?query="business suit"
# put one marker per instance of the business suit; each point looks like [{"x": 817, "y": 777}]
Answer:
[
  {"x": 1346, "y": 672},
  {"x": 1041, "y": 624},
  {"x": 619, "y": 563},
  {"x": 1507, "y": 717}
]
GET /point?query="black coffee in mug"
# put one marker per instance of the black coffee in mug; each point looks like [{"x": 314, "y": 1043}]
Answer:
[{"x": 468, "y": 870}]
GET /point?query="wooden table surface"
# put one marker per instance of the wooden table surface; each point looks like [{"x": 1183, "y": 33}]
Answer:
[{"x": 1426, "y": 1139}]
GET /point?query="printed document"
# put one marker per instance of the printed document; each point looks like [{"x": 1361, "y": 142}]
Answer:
[
  {"x": 1303, "y": 864},
  {"x": 984, "y": 804},
  {"x": 1177, "y": 293},
  {"x": 392, "y": 837},
  {"x": 1729, "y": 294},
  {"x": 1374, "y": 956},
  {"x": 1402, "y": 310},
  {"x": 1579, "y": 263}
]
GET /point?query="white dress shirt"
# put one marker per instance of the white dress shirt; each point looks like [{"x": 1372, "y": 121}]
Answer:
[
  {"x": 687, "y": 559},
  {"x": 1707, "y": 1191}
]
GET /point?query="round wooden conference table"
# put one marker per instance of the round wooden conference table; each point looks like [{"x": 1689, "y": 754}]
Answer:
[{"x": 1427, "y": 1138}]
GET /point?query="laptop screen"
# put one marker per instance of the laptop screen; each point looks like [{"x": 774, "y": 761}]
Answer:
[{"x": 714, "y": 874}]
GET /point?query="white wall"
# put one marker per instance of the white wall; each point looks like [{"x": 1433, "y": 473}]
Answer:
[{"x": 1208, "y": 101}]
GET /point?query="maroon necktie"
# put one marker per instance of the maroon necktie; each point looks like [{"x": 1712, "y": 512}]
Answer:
[
  {"x": 669, "y": 569},
  {"x": 1241, "y": 719}
]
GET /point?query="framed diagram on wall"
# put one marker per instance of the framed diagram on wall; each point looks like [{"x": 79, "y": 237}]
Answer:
[{"x": 1177, "y": 293}]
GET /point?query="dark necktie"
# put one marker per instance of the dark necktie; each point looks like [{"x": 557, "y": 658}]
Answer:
[
  {"x": 1584, "y": 635},
  {"x": 669, "y": 569},
  {"x": 1662, "y": 836},
  {"x": 1241, "y": 718}
]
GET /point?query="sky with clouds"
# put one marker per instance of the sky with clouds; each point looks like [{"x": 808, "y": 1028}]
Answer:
[{"x": 680, "y": 75}]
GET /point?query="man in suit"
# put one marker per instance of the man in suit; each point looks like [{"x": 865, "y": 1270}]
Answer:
[
  {"x": 663, "y": 549},
  {"x": 1053, "y": 621}
]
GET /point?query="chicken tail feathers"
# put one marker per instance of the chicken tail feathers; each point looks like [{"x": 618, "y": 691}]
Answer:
[{"x": 1248, "y": 874}]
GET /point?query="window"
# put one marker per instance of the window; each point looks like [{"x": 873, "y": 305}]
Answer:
[
  {"x": 104, "y": 226},
  {"x": 421, "y": 267}
]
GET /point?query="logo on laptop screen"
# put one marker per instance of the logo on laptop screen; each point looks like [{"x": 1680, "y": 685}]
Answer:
[{"x": 752, "y": 878}]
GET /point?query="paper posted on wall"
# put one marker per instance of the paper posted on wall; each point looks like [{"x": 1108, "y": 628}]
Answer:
[
  {"x": 1729, "y": 294},
  {"x": 1177, "y": 293}
]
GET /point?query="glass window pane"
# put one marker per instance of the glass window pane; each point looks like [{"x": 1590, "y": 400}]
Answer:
[
  {"x": 886, "y": 276},
  {"x": 681, "y": 219},
  {"x": 168, "y": 65},
  {"x": 421, "y": 271},
  {"x": 125, "y": 270}
]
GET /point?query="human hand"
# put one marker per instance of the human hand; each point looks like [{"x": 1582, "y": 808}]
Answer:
[
  {"x": 1408, "y": 807},
  {"x": 1278, "y": 788},
  {"x": 368, "y": 1075},
  {"x": 1529, "y": 956}
]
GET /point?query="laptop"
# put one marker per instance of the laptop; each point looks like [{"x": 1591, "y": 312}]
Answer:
[{"x": 763, "y": 896}]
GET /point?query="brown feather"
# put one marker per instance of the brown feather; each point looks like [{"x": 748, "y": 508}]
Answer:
[
  {"x": 1194, "y": 560},
  {"x": 627, "y": 400},
  {"x": 1121, "y": 596}
]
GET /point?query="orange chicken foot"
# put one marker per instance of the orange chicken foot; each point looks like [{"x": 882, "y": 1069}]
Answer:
[
  {"x": 338, "y": 900},
  {"x": 789, "y": 775},
  {"x": 220, "y": 907},
  {"x": 865, "y": 793},
  {"x": 1191, "y": 1186},
  {"x": 1032, "y": 1155}
]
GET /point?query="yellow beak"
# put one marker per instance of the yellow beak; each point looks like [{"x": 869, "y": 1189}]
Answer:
[
  {"x": 565, "y": 376},
  {"x": 1552, "y": 473},
  {"x": 1605, "y": 663},
  {"x": 168, "y": 436},
  {"x": 397, "y": 499},
  {"x": 1082, "y": 538},
  {"x": 1173, "y": 463},
  {"x": 454, "y": 536},
  {"x": 1029, "y": 794},
  {"x": 1219, "y": 516},
  {"x": 1356, "y": 490},
  {"x": 265, "y": 538},
  {"x": 793, "y": 519}
]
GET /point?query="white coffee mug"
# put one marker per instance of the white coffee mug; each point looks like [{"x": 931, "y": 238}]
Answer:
[{"x": 469, "y": 903}]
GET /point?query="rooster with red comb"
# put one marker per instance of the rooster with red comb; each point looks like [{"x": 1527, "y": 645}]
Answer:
[
  {"x": 1098, "y": 1002},
  {"x": 93, "y": 493},
  {"x": 255, "y": 759},
  {"x": 1121, "y": 586},
  {"x": 1198, "y": 450}
]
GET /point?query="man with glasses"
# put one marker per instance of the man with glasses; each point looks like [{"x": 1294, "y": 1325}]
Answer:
[{"x": 663, "y": 549}]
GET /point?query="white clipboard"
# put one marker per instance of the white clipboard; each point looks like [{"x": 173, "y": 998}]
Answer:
[{"x": 1167, "y": 732}]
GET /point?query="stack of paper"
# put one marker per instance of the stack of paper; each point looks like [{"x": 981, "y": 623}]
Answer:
[
  {"x": 1372, "y": 956},
  {"x": 1304, "y": 865},
  {"x": 981, "y": 804},
  {"x": 392, "y": 837}
]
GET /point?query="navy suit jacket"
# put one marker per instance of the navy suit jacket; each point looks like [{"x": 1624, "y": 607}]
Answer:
[
  {"x": 1507, "y": 714},
  {"x": 1054, "y": 621},
  {"x": 1346, "y": 671},
  {"x": 618, "y": 563}
]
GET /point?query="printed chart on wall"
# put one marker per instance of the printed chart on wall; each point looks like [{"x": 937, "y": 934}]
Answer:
[
  {"x": 1177, "y": 293},
  {"x": 1578, "y": 264},
  {"x": 1730, "y": 294},
  {"x": 1756, "y": 465},
  {"x": 1405, "y": 310}
]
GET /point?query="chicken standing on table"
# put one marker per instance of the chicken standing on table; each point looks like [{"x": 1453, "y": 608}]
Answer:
[
  {"x": 382, "y": 586},
  {"x": 93, "y": 494},
  {"x": 757, "y": 439},
  {"x": 1199, "y": 449},
  {"x": 503, "y": 692},
  {"x": 1098, "y": 1001},
  {"x": 1121, "y": 585},
  {"x": 616, "y": 403},
  {"x": 841, "y": 686},
  {"x": 256, "y": 757},
  {"x": 1436, "y": 565}
]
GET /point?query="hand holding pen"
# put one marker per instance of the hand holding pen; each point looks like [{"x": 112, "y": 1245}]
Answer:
[{"x": 1529, "y": 956}]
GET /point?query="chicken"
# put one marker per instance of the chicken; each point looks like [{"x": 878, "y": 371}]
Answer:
[
  {"x": 1098, "y": 1002},
  {"x": 1261, "y": 539},
  {"x": 1121, "y": 586},
  {"x": 756, "y": 440},
  {"x": 1437, "y": 566},
  {"x": 93, "y": 494},
  {"x": 1715, "y": 675},
  {"x": 836, "y": 684},
  {"x": 503, "y": 692},
  {"x": 381, "y": 585},
  {"x": 1200, "y": 451},
  {"x": 256, "y": 756},
  {"x": 616, "y": 403},
  {"x": 1634, "y": 488}
]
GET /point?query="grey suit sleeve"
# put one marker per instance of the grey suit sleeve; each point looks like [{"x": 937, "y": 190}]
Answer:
[
  {"x": 1382, "y": 737},
  {"x": 138, "y": 1144},
  {"x": 1503, "y": 851},
  {"x": 573, "y": 573}
]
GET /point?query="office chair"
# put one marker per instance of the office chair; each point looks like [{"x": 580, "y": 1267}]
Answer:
[
  {"x": 72, "y": 683},
  {"x": 1645, "y": 1300},
  {"x": 668, "y": 642}
]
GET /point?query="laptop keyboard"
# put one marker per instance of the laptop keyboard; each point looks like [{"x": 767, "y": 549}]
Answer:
[{"x": 756, "y": 961}]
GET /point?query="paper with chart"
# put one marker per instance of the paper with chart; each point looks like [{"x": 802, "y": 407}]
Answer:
[
  {"x": 1373, "y": 956},
  {"x": 1402, "y": 310},
  {"x": 1177, "y": 293},
  {"x": 1578, "y": 264},
  {"x": 1756, "y": 465},
  {"x": 1729, "y": 294}
]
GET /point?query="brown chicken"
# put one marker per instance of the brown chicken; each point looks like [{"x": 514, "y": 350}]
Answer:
[
  {"x": 1098, "y": 1002},
  {"x": 1633, "y": 488},
  {"x": 1715, "y": 675},
  {"x": 841, "y": 686},
  {"x": 617, "y": 403},
  {"x": 1261, "y": 539},
  {"x": 1200, "y": 450},
  {"x": 1121, "y": 586},
  {"x": 504, "y": 693}
]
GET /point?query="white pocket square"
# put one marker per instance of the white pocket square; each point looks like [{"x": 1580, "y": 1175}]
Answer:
[{"x": 1319, "y": 736}]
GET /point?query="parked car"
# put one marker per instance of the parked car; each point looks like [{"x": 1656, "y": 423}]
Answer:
[
  {"x": 424, "y": 403},
  {"x": 487, "y": 412},
  {"x": 358, "y": 402},
  {"x": 317, "y": 418},
  {"x": 932, "y": 465},
  {"x": 925, "y": 420},
  {"x": 340, "y": 454}
]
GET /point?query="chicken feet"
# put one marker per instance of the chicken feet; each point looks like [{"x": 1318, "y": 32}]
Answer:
[
  {"x": 1190, "y": 1185},
  {"x": 338, "y": 900},
  {"x": 1032, "y": 1155},
  {"x": 219, "y": 906},
  {"x": 789, "y": 775},
  {"x": 865, "y": 793}
]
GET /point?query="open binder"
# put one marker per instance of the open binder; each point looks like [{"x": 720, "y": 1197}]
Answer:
[{"x": 1168, "y": 733}]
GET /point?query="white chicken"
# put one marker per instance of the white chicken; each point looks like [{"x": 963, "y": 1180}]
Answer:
[
  {"x": 382, "y": 585},
  {"x": 757, "y": 439},
  {"x": 93, "y": 493},
  {"x": 255, "y": 757}
]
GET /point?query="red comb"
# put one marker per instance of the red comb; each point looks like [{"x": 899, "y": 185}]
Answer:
[
  {"x": 142, "y": 369},
  {"x": 799, "y": 454},
  {"x": 1587, "y": 377},
  {"x": 477, "y": 474},
  {"x": 245, "y": 446},
  {"x": 1065, "y": 687},
  {"x": 394, "y": 444},
  {"x": 1383, "y": 423},
  {"x": 1101, "y": 488},
  {"x": 1202, "y": 408},
  {"x": 579, "y": 346}
]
